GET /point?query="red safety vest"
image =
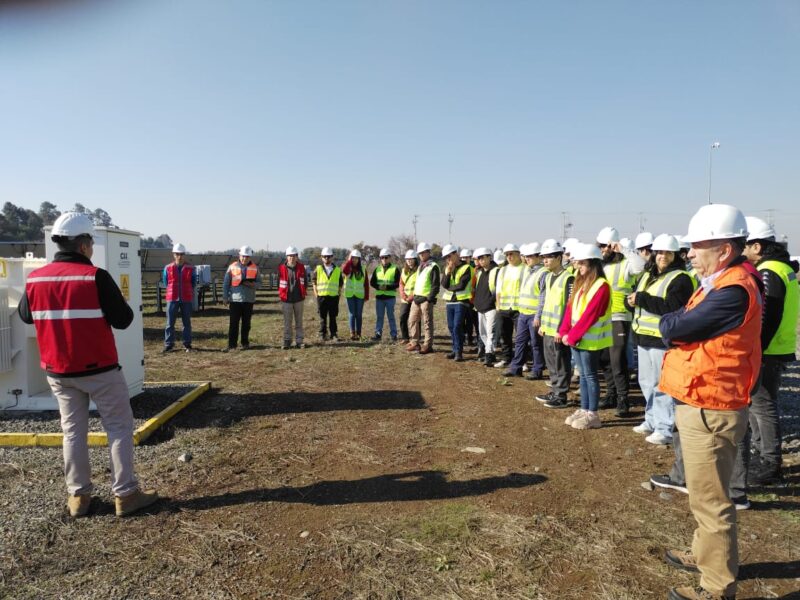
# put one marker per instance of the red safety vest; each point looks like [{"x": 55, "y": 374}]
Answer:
[
  {"x": 250, "y": 273},
  {"x": 74, "y": 336},
  {"x": 185, "y": 284},
  {"x": 283, "y": 280},
  {"x": 718, "y": 373}
]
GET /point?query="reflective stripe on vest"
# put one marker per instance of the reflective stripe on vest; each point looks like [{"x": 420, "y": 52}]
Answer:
[
  {"x": 555, "y": 301},
  {"x": 529, "y": 290},
  {"x": 250, "y": 273},
  {"x": 354, "y": 285},
  {"x": 422, "y": 286},
  {"x": 645, "y": 322},
  {"x": 385, "y": 276},
  {"x": 409, "y": 279},
  {"x": 599, "y": 335},
  {"x": 464, "y": 294},
  {"x": 785, "y": 339},
  {"x": 508, "y": 283},
  {"x": 328, "y": 286},
  {"x": 621, "y": 286}
]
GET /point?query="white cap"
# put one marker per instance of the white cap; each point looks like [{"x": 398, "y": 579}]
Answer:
[
  {"x": 411, "y": 254},
  {"x": 449, "y": 249},
  {"x": 666, "y": 242},
  {"x": 717, "y": 222},
  {"x": 608, "y": 235},
  {"x": 384, "y": 252},
  {"x": 423, "y": 247},
  {"x": 481, "y": 252},
  {"x": 499, "y": 257},
  {"x": 643, "y": 239},
  {"x": 326, "y": 252},
  {"x": 510, "y": 248},
  {"x": 72, "y": 224},
  {"x": 759, "y": 229},
  {"x": 569, "y": 243},
  {"x": 179, "y": 249},
  {"x": 291, "y": 250},
  {"x": 355, "y": 254},
  {"x": 245, "y": 251},
  {"x": 465, "y": 253},
  {"x": 551, "y": 246},
  {"x": 585, "y": 252}
]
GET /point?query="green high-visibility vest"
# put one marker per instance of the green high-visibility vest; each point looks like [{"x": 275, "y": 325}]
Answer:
[
  {"x": 621, "y": 286},
  {"x": 555, "y": 301},
  {"x": 328, "y": 286},
  {"x": 508, "y": 281},
  {"x": 645, "y": 322},
  {"x": 422, "y": 286},
  {"x": 599, "y": 335},
  {"x": 408, "y": 279},
  {"x": 354, "y": 285},
  {"x": 385, "y": 276},
  {"x": 529, "y": 290},
  {"x": 785, "y": 339},
  {"x": 464, "y": 294},
  {"x": 695, "y": 275}
]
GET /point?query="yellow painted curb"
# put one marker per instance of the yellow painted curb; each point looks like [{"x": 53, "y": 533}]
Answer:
[{"x": 99, "y": 438}]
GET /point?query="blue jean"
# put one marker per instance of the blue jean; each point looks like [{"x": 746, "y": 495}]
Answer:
[
  {"x": 185, "y": 309},
  {"x": 455, "y": 323},
  {"x": 355, "y": 306},
  {"x": 588, "y": 362},
  {"x": 527, "y": 337},
  {"x": 385, "y": 304},
  {"x": 659, "y": 408}
]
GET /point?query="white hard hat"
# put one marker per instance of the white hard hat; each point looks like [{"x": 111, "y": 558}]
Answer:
[
  {"x": 683, "y": 242},
  {"x": 759, "y": 229},
  {"x": 179, "y": 249},
  {"x": 499, "y": 257},
  {"x": 626, "y": 243},
  {"x": 449, "y": 249},
  {"x": 72, "y": 224},
  {"x": 523, "y": 249},
  {"x": 643, "y": 239},
  {"x": 481, "y": 252},
  {"x": 355, "y": 254},
  {"x": 569, "y": 243},
  {"x": 666, "y": 242},
  {"x": 465, "y": 253},
  {"x": 717, "y": 222},
  {"x": 411, "y": 254},
  {"x": 534, "y": 248},
  {"x": 245, "y": 251},
  {"x": 384, "y": 252},
  {"x": 608, "y": 235},
  {"x": 585, "y": 252},
  {"x": 423, "y": 247},
  {"x": 551, "y": 246},
  {"x": 510, "y": 248},
  {"x": 291, "y": 250},
  {"x": 326, "y": 252}
]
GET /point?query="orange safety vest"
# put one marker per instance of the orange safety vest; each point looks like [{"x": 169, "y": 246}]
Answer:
[
  {"x": 250, "y": 273},
  {"x": 719, "y": 373}
]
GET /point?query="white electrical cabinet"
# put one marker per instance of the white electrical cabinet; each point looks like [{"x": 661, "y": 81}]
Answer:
[{"x": 23, "y": 383}]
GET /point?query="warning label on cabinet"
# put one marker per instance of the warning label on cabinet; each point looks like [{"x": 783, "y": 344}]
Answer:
[{"x": 125, "y": 285}]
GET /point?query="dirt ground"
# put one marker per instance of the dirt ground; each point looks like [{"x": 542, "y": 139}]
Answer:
[{"x": 340, "y": 472}]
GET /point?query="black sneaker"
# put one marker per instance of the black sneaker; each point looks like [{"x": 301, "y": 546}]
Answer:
[
  {"x": 458, "y": 357},
  {"x": 450, "y": 355},
  {"x": 376, "y": 337},
  {"x": 285, "y": 346},
  {"x": 166, "y": 349},
  {"x": 556, "y": 402},
  {"x": 741, "y": 503},
  {"x": 664, "y": 481},
  {"x": 623, "y": 408},
  {"x": 763, "y": 473},
  {"x": 188, "y": 349},
  {"x": 608, "y": 402},
  {"x": 245, "y": 346},
  {"x": 534, "y": 376},
  {"x": 545, "y": 397}
]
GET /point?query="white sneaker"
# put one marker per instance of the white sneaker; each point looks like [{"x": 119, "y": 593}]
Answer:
[
  {"x": 658, "y": 439},
  {"x": 642, "y": 428},
  {"x": 573, "y": 416},
  {"x": 586, "y": 420},
  {"x": 500, "y": 364},
  {"x": 525, "y": 368}
]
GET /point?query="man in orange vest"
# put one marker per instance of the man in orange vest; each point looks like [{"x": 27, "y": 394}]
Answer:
[
  {"x": 710, "y": 368},
  {"x": 239, "y": 290}
]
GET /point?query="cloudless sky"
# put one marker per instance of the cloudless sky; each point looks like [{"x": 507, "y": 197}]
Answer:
[{"x": 329, "y": 122}]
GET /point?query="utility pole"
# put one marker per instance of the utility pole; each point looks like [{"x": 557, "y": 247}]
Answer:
[
  {"x": 770, "y": 217},
  {"x": 642, "y": 221},
  {"x": 565, "y": 226},
  {"x": 450, "y": 220},
  {"x": 415, "y": 221}
]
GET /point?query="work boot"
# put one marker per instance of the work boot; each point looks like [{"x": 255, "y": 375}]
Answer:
[
  {"x": 78, "y": 505},
  {"x": 138, "y": 500},
  {"x": 413, "y": 347},
  {"x": 623, "y": 407},
  {"x": 608, "y": 401},
  {"x": 425, "y": 349},
  {"x": 697, "y": 593},
  {"x": 681, "y": 559},
  {"x": 763, "y": 473}
]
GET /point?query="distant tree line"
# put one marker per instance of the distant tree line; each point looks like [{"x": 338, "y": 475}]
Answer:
[{"x": 18, "y": 224}]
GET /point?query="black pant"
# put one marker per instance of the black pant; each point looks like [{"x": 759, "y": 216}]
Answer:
[
  {"x": 471, "y": 323},
  {"x": 405, "y": 311},
  {"x": 328, "y": 307},
  {"x": 505, "y": 323},
  {"x": 240, "y": 311},
  {"x": 614, "y": 361}
]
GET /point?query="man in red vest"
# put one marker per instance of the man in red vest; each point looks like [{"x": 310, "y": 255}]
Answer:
[
  {"x": 179, "y": 279},
  {"x": 710, "y": 369},
  {"x": 292, "y": 293},
  {"x": 73, "y": 306}
]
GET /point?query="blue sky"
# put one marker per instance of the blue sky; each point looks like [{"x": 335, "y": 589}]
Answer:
[{"x": 326, "y": 123}]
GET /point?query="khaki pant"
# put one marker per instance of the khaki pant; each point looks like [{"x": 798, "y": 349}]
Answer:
[
  {"x": 292, "y": 311},
  {"x": 109, "y": 392},
  {"x": 709, "y": 439},
  {"x": 421, "y": 314}
]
